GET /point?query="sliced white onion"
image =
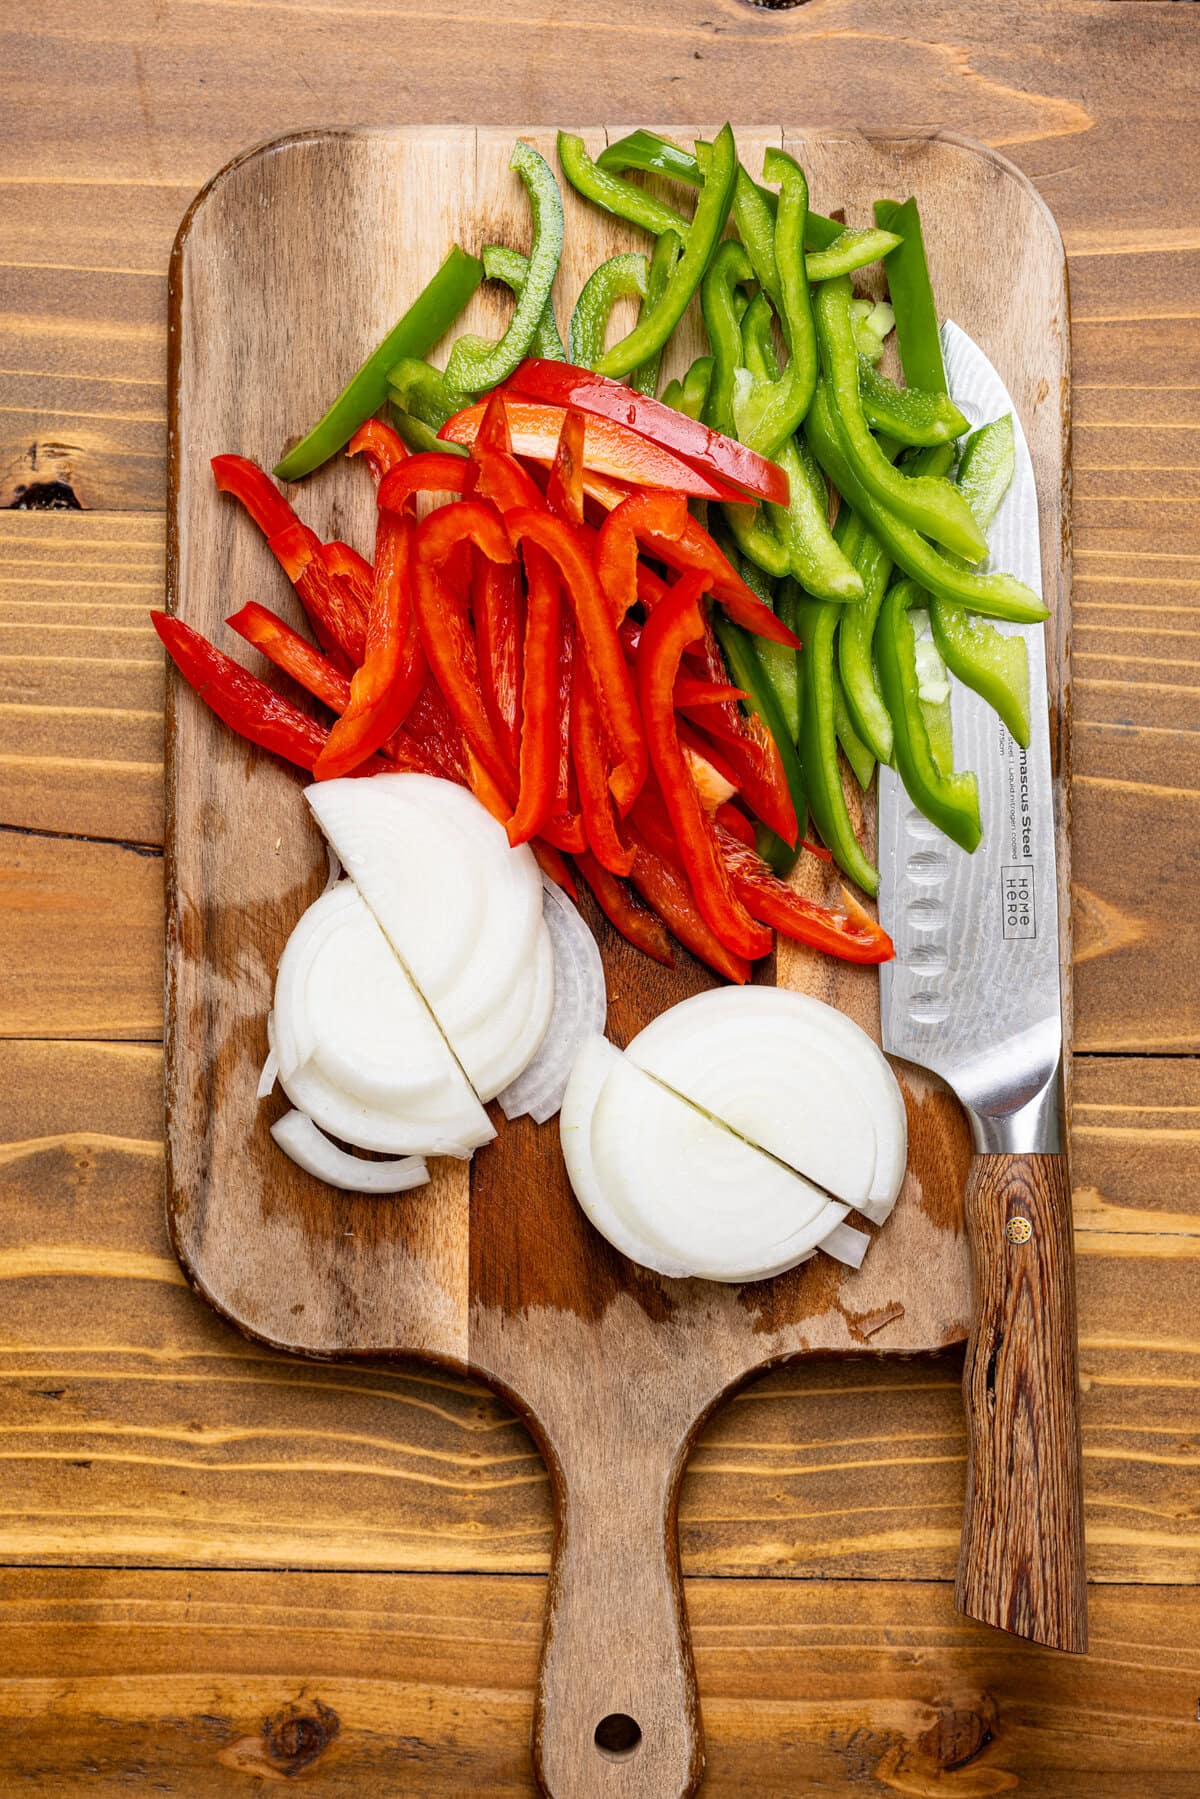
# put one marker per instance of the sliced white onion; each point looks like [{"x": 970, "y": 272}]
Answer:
[
  {"x": 846, "y": 1244},
  {"x": 595, "y": 1062},
  {"x": 299, "y": 1138},
  {"x": 703, "y": 1197},
  {"x": 794, "y": 1077},
  {"x": 580, "y": 1010},
  {"x": 270, "y": 1068},
  {"x": 335, "y": 869},
  {"x": 495, "y": 1049},
  {"x": 357, "y": 1048}
]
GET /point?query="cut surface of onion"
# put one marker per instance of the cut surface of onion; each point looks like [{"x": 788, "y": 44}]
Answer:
[
  {"x": 594, "y": 1063},
  {"x": 461, "y": 909},
  {"x": 846, "y": 1244},
  {"x": 299, "y": 1138},
  {"x": 579, "y": 1011},
  {"x": 704, "y": 1198},
  {"x": 495, "y": 1049},
  {"x": 356, "y": 1046},
  {"x": 794, "y": 1077},
  {"x": 270, "y": 1068}
]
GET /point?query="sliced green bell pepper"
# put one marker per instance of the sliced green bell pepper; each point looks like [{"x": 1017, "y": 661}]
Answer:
[
  {"x": 856, "y": 752},
  {"x": 852, "y": 249},
  {"x": 690, "y": 395},
  {"x": 428, "y": 318},
  {"x": 909, "y": 414},
  {"x": 620, "y": 278},
  {"x": 655, "y": 155},
  {"x": 708, "y": 222},
  {"x": 950, "y": 801},
  {"x": 779, "y": 663},
  {"x": 475, "y": 362},
  {"x": 917, "y": 335},
  {"x": 512, "y": 267},
  {"x": 420, "y": 436},
  {"x": 819, "y": 745},
  {"x": 777, "y": 407},
  {"x": 598, "y": 183},
  {"x": 424, "y": 392},
  {"x": 993, "y": 595},
  {"x": 665, "y": 255},
  {"x": 929, "y": 504},
  {"x": 856, "y": 659}
]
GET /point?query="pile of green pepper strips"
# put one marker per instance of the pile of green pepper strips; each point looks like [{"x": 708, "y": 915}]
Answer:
[{"x": 885, "y": 602}]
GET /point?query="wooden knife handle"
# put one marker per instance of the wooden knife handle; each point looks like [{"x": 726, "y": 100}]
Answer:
[
  {"x": 616, "y": 1713},
  {"x": 1021, "y": 1564}
]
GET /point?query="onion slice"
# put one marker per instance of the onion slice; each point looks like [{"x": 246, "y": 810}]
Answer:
[
  {"x": 299, "y": 1138},
  {"x": 580, "y": 1010},
  {"x": 846, "y": 1244},
  {"x": 270, "y": 1068}
]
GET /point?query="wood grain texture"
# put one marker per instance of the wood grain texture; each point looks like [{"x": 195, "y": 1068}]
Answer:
[
  {"x": 207, "y": 1684},
  {"x": 1021, "y": 1563}
]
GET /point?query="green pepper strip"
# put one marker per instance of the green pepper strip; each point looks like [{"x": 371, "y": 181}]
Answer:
[
  {"x": 620, "y": 278},
  {"x": 931, "y": 505},
  {"x": 475, "y": 363},
  {"x": 803, "y": 527},
  {"x": 917, "y": 335},
  {"x": 909, "y": 414},
  {"x": 995, "y": 666},
  {"x": 597, "y": 183},
  {"x": 420, "y": 436},
  {"x": 656, "y": 324},
  {"x": 777, "y": 408},
  {"x": 819, "y": 746},
  {"x": 852, "y": 249},
  {"x": 665, "y": 255},
  {"x": 655, "y": 155},
  {"x": 950, "y": 801},
  {"x": 690, "y": 395},
  {"x": 993, "y": 595},
  {"x": 429, "y": 317},
  {"x": 419, "y": 389},
  {"x": 741, "y": 654},
  {"x": 780, "y": 664},
  {"x": 856, "y": 661},
  {"x": 856, "y": 752},
  {"x": 512, "y": 267}
]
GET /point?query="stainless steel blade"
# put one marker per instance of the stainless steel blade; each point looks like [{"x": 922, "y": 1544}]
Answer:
[{"x": 974, "y": 990}]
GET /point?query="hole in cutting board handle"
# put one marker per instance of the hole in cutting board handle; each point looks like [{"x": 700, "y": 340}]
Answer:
[{"x": 618, "y": 1736}]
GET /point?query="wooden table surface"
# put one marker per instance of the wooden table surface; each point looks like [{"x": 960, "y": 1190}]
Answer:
[{"x": 218, "y": 1564}]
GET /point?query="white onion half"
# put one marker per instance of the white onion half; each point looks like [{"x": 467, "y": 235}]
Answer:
[
  {"x": 580, "y": 1010},
  {"x": 299, "y": 1138},
  {"x": 357, "y": 1048}
]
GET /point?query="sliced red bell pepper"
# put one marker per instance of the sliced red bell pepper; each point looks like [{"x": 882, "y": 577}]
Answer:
[
  {"x": 663, "y": 884},
  {"x": 431, "y": 724},
  {"x": 734, "y": 820},
  {"x": 430, "y": 471},
  {"x": 500, "y": 478},
  {"x": 609, "y": 670},
  {"x": 590, "y": 758},
  {"x": 565, "y": 828},
  {"x": 257, "y": 492},
  {"x": 617, "y": 546},
  {"x": 382, "y": 691},
  {"x": 564, "y": 490},
  {"x": 334, "y": 612},
  {"x": 689, "y": 691},
  {"x": 540, "y": 707},
  {"x": 609, "y": 448},
  {"x": 554, "y": 866},
  {"x": 853, "y": 935},
  {"x": 293, "y": 654},
  {"x": 243, "y": 702},
  {"x": 499, "y": 609},
  {"x": 643, "y": 929},
  {"x": 677, "y": 622},
  {"x": 750, "y": 753},
  {"x": 494, "y": 433},
  {"x": 382, "y": 447},
  {"x": 343, "y": 560},
  {"x": 442, "y": 616},
  {"x": 560, "y": 384}
]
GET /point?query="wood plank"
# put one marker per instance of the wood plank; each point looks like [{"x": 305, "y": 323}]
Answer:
[
  {"x": 134, "y": 1426},
  {"x": 358, "y": 1684}
]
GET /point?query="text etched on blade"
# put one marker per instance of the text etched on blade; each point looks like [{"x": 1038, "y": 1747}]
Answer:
[{"x": 1020, "y": 909}]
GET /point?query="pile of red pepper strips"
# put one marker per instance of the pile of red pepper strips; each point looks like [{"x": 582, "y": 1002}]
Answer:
[{"x": 498, "y": 643}]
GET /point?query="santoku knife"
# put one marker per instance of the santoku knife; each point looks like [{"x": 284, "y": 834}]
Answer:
[{"x": 973, "y": 994}]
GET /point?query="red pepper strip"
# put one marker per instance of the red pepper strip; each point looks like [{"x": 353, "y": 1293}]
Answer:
[
  {"x": 293, "y": 654},
  {"x": 498, "y": 606},
  {"x": 334, "y": 612},
  {"x": 609, "y": 448},
  {"x": 565, "y": 828},
  {"x": 562, "y": 384},
  {"x": 662, "y": 884},
  {"x": 696, "y": 549},
  {"x": 853, "y": 935},
  {"x": 734, "y": 820},
  {"x": 691, "y": 692},
  {"x": 494, "y": 433},
  {"x": 256, "y": 491},
  {"x": 617, "y": 547},
  {"x": 540, "y": 709},
  {"x": 642, "y": 928},
  {"x": 751, "y": 753},
  {"x": 609, "y": 670},
  {"x": 555, "y": 867},
  {"x": 564, "y": 490},
  {"x": 442, "y": 615},
  {"x": 344, "y": 560},
  {"x": 382, "y": 447},
  {"x": 588, "y": 753},
  {"x": 382, "y": 691},
  {"x": 243, "y": 702},
  {"x": 676, "y": 622},
  {"x": 431, "y": 725},
  {"x": 501, "y": 479},
  {"x": 431, "y": 471}
]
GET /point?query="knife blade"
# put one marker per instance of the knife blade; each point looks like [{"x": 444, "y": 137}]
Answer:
[{"x": 974, "y": 995}]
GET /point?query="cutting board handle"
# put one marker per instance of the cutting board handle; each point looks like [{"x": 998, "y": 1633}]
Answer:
[
  {"x": 1021, "y": 1565},
  {"x": 616, "y": 1714}
]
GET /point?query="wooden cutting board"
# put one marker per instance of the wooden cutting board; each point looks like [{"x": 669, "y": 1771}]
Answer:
[{"x": 288, "y": 268}]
